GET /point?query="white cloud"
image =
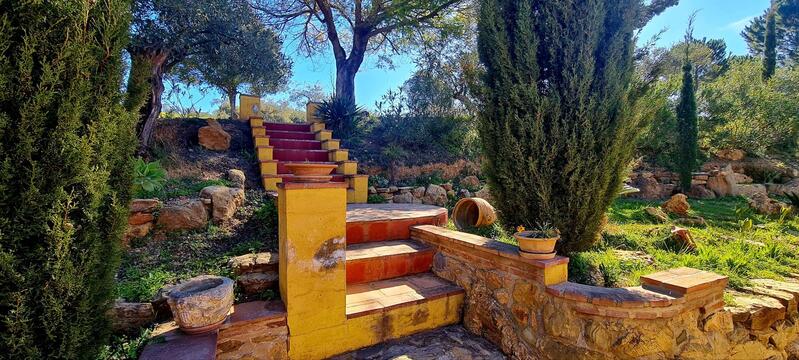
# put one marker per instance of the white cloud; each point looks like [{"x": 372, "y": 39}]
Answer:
[{"x": 740, "y": 24}]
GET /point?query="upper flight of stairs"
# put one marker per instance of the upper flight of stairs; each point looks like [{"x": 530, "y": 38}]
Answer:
[
  {"x": 390, "y": 274},
  {"x": 278, "y": 144}
]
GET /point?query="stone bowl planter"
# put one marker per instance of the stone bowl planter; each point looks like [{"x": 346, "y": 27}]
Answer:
[
  {"x": 201, "y": 304},
  {"x": 535, "y": 245},
  {"x": 311, "y": 172}
]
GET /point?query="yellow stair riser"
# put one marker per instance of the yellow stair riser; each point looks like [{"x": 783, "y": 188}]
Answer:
[
  {"x": 261, "y": 141},
  {"x": 258, "y": 131},
  {"x": 269, "y": 168},
  {"x": 331, "y": 145},
  {"x": 256, "y": 122},
  {"x": 324, "y": 135},
  {"x": 317, "y": 126},
  {"x": 338, "y": 155},
  {"x": 347, "y": 168},
  {"x": 265, "y": 153},
  {"x": 270, "y": 184}
]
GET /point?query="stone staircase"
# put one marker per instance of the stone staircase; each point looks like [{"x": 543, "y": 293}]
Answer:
[
  {"x": 278, "y": 144},
  {"x": 388, "y": 273}
]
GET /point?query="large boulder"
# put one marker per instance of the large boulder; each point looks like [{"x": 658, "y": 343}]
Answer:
[
  {"x": 237, "y": 177},
  {"x": 648, "y": 186},
  {"x": 763, "y": 204},
  {"x": 749, "y": 190},
  {"x": 470, "y": 182},
  {"x": 144, "y": 205},
  {"x": 130, "y": 317},
  {"x": 701, "y": 192},
  {"x": 186, "y": 215},
  {"x": 791, "y": 187},
  {"x": 224, "y": 201},
  {"x": 214, "y": 137},
  {"x": 404, "y": 198},
  {"x": 677, "y": 205},
  {"x": 435, "y": 195}
]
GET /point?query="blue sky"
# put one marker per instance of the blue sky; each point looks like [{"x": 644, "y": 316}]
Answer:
[{"x": 716, "y": 19}]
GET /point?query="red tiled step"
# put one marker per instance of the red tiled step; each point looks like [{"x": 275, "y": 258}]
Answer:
[
  {"x": 282, "y": 169},
  {"x": 297, "y": 135},
  {"x": 296, "y": 144},
  {"x": 382, "y": 296},
  {"x": 380, "y": 222},
  {"x": 287, "y": 127},
  {"x": 300, "y": 155},
  {"x": 290, "y": 177},
  {"x": 375, "y": 261}
]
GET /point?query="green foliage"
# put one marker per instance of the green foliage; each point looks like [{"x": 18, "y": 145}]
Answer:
[
  {"x": 346, "y": 119},
  {"x": 770, "y": 51},
  {"x": 375, "y": 199},
  {"x": 267, "y": 218},
  {"x": 786, "y": 34},
  {"x": 126, "y": 347},
  {"x": 141, "y": 286},
  {"x": 148, "y": 177},
  {"x": 687, "y": 130},
  {"x": 745, "y": 112},
  {"x": 65, "y": 174},
  {"x": 556, "y": 121},
  {"x": 794, "y": 199}
]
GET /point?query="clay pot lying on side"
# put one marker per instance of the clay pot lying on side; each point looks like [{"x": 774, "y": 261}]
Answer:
[{"x": 201, "y": 304}]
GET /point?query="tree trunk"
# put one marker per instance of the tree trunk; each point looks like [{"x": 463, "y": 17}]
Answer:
[
  {"x": 231, "y": 95},
  {"x": 345, "y": 81},
  {"x": 152, "y": 110}
]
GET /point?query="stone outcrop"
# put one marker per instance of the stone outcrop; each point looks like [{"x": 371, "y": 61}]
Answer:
[
  {"x": 791, "y": 187},
  {"x": 683, "y": 239},
  {"x": 432, "y": 195},
  {"x": 470, "y": 182},
  {"x": 214, "y": 137},
  {"x": 185, "y": 215},
  {"x": 129, "y": 317},
  {"x": 677, "y": 205},
  {"x": 435, "y": 195},
  {"x": 255, "y": 273},
  {"x": 765, "y": 205},
  {"x": 224, "y": 201},
  {"x": 141, "y": 219},
  {"x": 237, "y": 177}
]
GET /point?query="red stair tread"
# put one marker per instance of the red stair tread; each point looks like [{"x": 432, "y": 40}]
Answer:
[
  {"x": 384, "y": 295},
  {"x": 287, "y": 127},
  {"x": 296, "y": 144},
  {"x": 375, "y": 261},
  {"x": 300, "y": 155},
  {"x": 297, "y": 135},
  {"x": 290, "y": 177}
]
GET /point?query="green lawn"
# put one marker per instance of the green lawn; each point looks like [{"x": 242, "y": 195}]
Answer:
[{"x": 633, "y": 245}]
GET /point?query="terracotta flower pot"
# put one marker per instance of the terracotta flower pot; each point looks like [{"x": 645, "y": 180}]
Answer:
[
  {"x": 201, "y": 304},
  {"x": 311, "y": 172},
  {"x": 534, "y": 245}
]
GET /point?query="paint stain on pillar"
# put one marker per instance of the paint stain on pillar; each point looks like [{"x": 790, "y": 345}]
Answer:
[{"x": 329, "y": 255}]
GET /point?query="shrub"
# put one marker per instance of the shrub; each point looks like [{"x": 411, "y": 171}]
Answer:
[
  {"x": 555, "y": 123},
  {"x": 65, "y": 174},
  {"x": 343, "y": 117},
  {"x": 148, "y": 176}
]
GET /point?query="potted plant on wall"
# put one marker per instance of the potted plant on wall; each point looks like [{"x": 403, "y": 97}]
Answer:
[{"x": 538, "y": 244}]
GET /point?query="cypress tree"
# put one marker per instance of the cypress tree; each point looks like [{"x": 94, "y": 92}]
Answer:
[
  {"x": 770, "y": 52},
  {"x": 687, "y": 128},
  {"x": 556, "y": 126},
  {"x": 65, "y": 168}
]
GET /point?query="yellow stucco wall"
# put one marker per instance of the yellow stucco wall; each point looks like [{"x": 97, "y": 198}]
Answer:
[{"x": 249, "y": 106}]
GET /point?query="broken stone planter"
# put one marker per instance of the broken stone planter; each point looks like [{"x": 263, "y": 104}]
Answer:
[{"x": 201, "y": 304}]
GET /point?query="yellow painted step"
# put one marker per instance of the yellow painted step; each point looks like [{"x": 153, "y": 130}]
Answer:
[
  {"x": 258, "y": 131},
  {"x": 348, "y": 167},
  {"x": 256, "y": 121},
  {"x": 265, "y": 153},
  {"x": 317, "y": 126},
  {"x": 339, "y": 155},
  {"x": 270, "y": 182},
  {"x": 332, "y": 144},
  {"x": 261, "y": 140},
  {"x": 323, "y": 135},
  {"x": 269, "y": 167}
]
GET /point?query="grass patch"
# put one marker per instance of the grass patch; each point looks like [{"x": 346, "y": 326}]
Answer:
[{"x": 736, "y": 242}]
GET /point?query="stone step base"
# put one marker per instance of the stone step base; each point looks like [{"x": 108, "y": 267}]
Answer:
[
  {"x": 369, "y": 262},
  {"x": 381, "y": 222}
]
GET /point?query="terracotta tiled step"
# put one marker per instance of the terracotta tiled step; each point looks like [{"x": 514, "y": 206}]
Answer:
[
  {"x": 380, "y": 222},
  {"x": 408, "y": 291},
  {"x": 287, "y": 127},
  {"x": 296, "y": 144},
  {"x": 375, "y": 261},
  {"x": 300, "y": 155},
  {"x": 297, "y": 135}
]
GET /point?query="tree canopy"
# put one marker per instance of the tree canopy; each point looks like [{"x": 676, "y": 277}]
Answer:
[{"x": 786, "y": 16}]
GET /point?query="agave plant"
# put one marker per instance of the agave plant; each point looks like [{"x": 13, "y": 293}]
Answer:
[
  {"x": 148, "y": 176},
  {"x": 342, "y": 116}
]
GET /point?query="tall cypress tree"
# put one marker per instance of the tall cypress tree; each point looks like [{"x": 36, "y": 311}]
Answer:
[
  {"x": 65, "y": 167},
  {"x": 556, "y": 126},
  {"x": 687, "y": 128},
  {"x": 770, "y": 52}
]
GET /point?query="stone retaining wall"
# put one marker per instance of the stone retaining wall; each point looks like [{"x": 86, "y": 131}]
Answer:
[{"x": 530, "y": 311}]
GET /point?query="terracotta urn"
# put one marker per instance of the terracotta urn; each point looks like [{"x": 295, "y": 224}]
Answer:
[
  {"x": 311, "y": 172},
  {"x": 536, "y": 245},
  {"x": 201, "y": 304}
]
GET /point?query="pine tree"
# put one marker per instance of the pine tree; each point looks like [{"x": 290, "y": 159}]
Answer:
[
  {"x": 770, "y": 52},
  {"x": 687, "y": 128},
  {"x": 786, "y": 15},
  {"x": 65, "y": 167},
  {"x": 556, "y": 126}
]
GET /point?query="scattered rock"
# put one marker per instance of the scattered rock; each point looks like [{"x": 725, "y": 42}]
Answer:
[
  {"x": 404, "y": 198},
  {"x": 657, "y": 214},
  {"x": 144, "y": 205},
  {"x": 678, "y": 205},
  {"x": 695, "y": 221},
  {"x": 249, "y": 263},
  {"x": 255, "y": 283},
  {"x": 129, "y": 317},
  {"x": 749, "y": 190},
  {"x": 372, "y": 190},
  {"x": 470, "y": 182},
  {"x": 731, "y": 155},
  {"x": 139, "y": 231},
  {"x": 237, "y": 177},
  {"x": 701, "y": 192},
  {"x": 224, "y": 200},
  {"x": 392, "y": 189},
  {"x": 435, "y": 195},
  {"x": 213, "y": 137},
  {"x": 418, "y": 192},
  {"x": 757, "y": 312},
  {"x": 447, "y": 186},
  {"x": 186, "y": 215},
  {"x": 765, "y": 205},
  {"x": 683, "y": 239},
  {"x": 140, "y": 218},
  {"x": 791, "y": 187},
  {"x": 484, "y": 194}
]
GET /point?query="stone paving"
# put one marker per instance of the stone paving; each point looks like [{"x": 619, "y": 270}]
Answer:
[{"x": 448, "y": 343}]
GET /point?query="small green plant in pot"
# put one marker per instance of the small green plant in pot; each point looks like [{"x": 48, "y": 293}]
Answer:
[{"x": 538, "y": 244}]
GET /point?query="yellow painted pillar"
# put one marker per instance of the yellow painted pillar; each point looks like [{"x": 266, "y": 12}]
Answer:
[
  {"x": 312, "y": 235},
  {"x": 310, "y": 112},
  {"x": 249, "y": 106}
]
